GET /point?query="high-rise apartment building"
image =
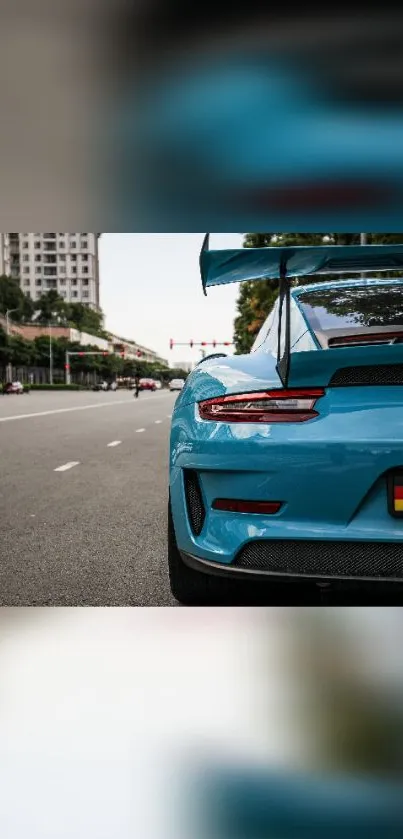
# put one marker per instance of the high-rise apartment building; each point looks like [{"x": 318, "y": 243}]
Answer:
[{"x": 66, "y": 262}]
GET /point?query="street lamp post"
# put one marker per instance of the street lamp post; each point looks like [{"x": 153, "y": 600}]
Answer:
[
  {"x": 50, "y": 355},
  {"x": 9, "y": 370}
]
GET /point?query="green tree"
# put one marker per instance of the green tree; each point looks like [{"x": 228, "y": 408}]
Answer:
[
  {"x": 51, "y": 307},
  {"x": 256, "y": 299},
  {"x": 12, "y": 297},
  {"x": 84, "y": 319}
]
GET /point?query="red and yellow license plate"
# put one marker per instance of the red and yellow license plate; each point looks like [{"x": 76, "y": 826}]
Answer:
[{"x": 396, "y": 494}]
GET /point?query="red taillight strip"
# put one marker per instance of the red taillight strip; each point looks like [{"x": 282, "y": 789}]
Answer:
[
  {"x": 268, "y": 411},
  {"x": 231, "y": 505}
]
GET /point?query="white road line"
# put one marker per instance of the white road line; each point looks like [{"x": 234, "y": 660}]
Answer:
[
  {"x": 114, "y": 443},
  {"x": 157, "y": 422},
  {"x": 67, "y": 466},
  {"x": 139, "y": 430},
  {"x": 78, "y": 408},
  {"x": 169, "y": 416}
]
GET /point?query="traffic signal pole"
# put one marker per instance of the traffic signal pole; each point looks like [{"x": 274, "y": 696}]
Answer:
[
  {"x": 202, "y": 344},
  {"x": 69, "y": 353}
]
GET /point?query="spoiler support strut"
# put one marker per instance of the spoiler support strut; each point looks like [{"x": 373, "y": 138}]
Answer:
[{"x": 283, "y": 361}]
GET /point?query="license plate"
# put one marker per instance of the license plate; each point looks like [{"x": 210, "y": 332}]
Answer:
[{"x": 395, "y": 494}]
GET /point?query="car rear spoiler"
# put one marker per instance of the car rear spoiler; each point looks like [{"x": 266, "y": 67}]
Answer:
[{"x": 220, "y": 267}]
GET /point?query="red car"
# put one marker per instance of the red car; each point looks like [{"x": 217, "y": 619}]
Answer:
[{"x": 147, "y": 384}]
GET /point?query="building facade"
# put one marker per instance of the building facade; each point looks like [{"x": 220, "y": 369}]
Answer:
[{"x": 66, "y": 262}]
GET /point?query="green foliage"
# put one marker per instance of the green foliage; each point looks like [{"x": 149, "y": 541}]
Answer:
[
  {"x": 52, "y": 308},
  {"x": 256, "y": 299},
  {"x": 57, "y": 387},
  {"x": 13, "y": 298}
]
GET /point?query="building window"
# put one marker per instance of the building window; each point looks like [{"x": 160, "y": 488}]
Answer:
[
  {"x": 36, "y": 235},
  {"x": 84, "y": 269},
  {"x": 26, "y": 257},
  {"x": 62, "y": 257},
  {"x": 49, "y": 272},
  {"x": 25, "y": 245},
  {"x": 74, "y": 269},
  {"x": 62, "y": 244},
  {"x": 85, "y": 282},
  {"x": 26, "y": 270},
  {"x": 38, "y": 269},
  {"x": 73, "y": 243},
  {"x": 84, "y": 243},
  {"x": 74, "y": 282},
  {"x": 73, "y": 257},
  {"x": 37, "y": 245},
  {"x": 84, "y": 257},
  {"x": 85, "y": 293},
  {"x": 74, "y": 293},
  {"x": 38, "y": 282},
  {"x": 63, "y": 281},
  {"x": 62, "y": 269},
  {"x": 38, "y": 258},
  {"x": 25, "y": 234},
  {"x": 26, "y": 282}
]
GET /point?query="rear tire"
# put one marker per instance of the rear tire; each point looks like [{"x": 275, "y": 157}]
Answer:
[{"x": 189, "y": 587}]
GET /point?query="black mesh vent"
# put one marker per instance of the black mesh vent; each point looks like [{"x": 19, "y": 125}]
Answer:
[
  {"x": 194, "y": 501},
  {"x": 382, "y": 560},
  {"x": 376, "y": 374}
]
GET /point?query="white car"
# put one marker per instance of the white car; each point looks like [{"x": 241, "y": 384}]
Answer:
[
  {"x": 176, "y": 384},
  {"x": 158, "y": 384}
]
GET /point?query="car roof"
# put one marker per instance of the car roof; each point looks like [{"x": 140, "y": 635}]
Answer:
[{"x": 347, "y": 283}]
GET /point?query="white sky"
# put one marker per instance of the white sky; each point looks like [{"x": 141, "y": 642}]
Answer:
[{"x": 151, "y": 290}]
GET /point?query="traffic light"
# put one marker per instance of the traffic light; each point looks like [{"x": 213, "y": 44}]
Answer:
[
  {"x": 81, "y": 354},
  {"x": 123, "y": 354},
  {"x": 203, "y": 344},
  {"x": 191, "y": 342},
  {"x": 105, "y": 353},
  {"x": 227, "y": 343},
  {"x": 214, "y": 343},
  {"x": 171, "y": 343},
  {"x": 139, "y": 353}
]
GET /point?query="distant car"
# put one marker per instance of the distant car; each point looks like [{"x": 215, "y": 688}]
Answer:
[
  {"x": 148, "y": 384},
  {"x": 158, "y": 384},
  {"x": 13, "y": 387},
  {"x": 176, "y": 384}
]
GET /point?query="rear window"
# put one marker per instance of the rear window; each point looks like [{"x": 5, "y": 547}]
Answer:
[{"x": 339, "y": 308}]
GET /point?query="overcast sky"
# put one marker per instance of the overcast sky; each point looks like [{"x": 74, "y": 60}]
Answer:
[{"x": 151, "y": 290}]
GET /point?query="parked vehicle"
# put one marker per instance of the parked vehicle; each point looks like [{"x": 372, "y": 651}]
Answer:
[
  {"x": 176, "y": 384},
  {"x": 148, "y": 384},
  {"x": 286, "y": 463},
  {"x": 14, "y": 387}
]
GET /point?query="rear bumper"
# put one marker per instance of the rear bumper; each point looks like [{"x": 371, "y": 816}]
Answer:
[{"x": 317, "y": 561}]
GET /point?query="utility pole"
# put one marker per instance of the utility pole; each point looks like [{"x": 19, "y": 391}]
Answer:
[
  {"x": 9, "y": 371},
  {"x": 50, "y": 356}
]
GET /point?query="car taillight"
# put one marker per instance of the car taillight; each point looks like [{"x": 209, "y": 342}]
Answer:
[{"x": 267, "y": 406}]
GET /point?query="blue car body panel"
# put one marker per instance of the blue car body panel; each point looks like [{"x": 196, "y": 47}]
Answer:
[{"x": 330, "y": 473}]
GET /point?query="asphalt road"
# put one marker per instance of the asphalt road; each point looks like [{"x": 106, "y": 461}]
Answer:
[
  {"x": 83, "y": 500},
  {"x": 93, "y": 533}
]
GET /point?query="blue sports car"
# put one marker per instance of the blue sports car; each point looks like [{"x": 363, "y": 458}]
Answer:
[{"x": 286, "y": 464}]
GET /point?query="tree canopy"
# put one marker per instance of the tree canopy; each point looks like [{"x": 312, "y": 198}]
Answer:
[{"x": 256, "y": 299}]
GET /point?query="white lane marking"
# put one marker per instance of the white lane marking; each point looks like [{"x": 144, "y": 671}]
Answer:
[
  {"x": 67, "y": 466},
  {"x": 157, "y": 422},
  {"x": 114, "y": 443},
  {"x": 139, "y": 430},
  {"x": 169, "y": 416},
  {"x": 78, "y": 408}
]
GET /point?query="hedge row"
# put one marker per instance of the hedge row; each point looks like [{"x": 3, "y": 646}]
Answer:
[{"x": 57, "y": 387}]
